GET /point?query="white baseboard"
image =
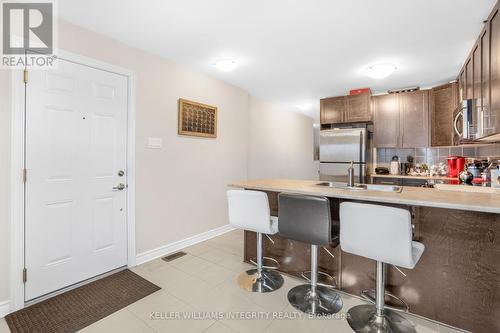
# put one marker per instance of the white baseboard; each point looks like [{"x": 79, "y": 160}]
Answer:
[
  {"x": 4, "y": 308},
  {"x": 179, "y": 245}
]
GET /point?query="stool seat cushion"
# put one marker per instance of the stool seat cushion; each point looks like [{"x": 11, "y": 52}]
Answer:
[
  {"x": 249, "y": 210},
  {"x": 380, "y": 233},
  {"x": 305, "y": 218}
]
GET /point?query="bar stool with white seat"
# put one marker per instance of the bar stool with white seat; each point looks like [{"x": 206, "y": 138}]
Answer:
[
  {"x": 307, "y": 219},
  {"x": 383, "y": 234},
  {"x": 249, "y": 210}
]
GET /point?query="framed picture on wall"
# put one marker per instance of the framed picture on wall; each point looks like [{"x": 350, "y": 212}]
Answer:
[{"x": 197, "y": 119}]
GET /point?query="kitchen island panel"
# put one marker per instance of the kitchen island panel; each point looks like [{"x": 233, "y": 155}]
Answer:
[{"x": 456, "y": 282}]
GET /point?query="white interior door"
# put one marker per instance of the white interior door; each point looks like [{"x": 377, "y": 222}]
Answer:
[{"x": 76, "y": 134}]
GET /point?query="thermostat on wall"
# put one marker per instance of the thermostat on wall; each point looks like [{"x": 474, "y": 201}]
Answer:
[{"x": 155, "y": 143}]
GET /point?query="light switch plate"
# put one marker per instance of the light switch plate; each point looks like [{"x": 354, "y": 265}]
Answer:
[{"x": 155, "y": 143}]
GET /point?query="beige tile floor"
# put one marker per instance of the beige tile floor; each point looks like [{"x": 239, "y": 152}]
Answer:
[{"x": 204, "y": 281}]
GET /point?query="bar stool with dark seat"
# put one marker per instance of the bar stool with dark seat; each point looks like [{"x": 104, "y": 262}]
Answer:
[
  {"x": 249, "y": 210},
  {"x": 383, "y": 234},
  {"x": 307, "y": 219}
]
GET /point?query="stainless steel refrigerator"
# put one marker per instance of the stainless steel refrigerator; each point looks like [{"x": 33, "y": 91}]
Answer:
[{"x": 338, "y": 147}]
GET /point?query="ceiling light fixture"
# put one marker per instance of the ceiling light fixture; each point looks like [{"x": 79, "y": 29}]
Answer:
[
  {"x": 226, "y": 65},
  {"x": 380, "y": 71},
  {"x": 304, "y": 107}
]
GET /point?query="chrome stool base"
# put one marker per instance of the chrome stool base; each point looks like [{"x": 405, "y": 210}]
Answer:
[
  {"x": 267, "y": 282},
  {"x": 364, "y": 319},
  {"x": 326, "y": 301}
]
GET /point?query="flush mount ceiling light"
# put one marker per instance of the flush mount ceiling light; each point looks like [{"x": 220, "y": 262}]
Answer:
[
  {"x": 226, "y": 65},
  {"x": 303, "y": 107},
  {"x": 380, "y": 71}
]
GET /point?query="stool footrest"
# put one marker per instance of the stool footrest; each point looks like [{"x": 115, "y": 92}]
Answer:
[
  {"x": 324, "y": 279},
  {"x": 369, "y": 295},
  {"x": 277, "y": 264}
]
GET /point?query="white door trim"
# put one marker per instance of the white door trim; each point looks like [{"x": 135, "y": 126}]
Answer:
[{"x": 17, "y": 164}]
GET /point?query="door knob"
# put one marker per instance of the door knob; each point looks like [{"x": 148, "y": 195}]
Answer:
[{"x": 120, "y": 187}]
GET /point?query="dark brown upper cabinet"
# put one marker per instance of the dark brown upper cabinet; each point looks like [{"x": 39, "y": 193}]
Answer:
[
  {"x": 443, "y": 105},
  {"x": 461, "y": 86},
  {"x": 479, "y": 80},
  {"x": 414, "y": 111},
  {"x": 386, "y": 121},
  {"x": 494, "y": 77},
  {"x": 401, "y": 120},
  {"x": 358, "y": 108},
  {"x": 346, "y": 109},
  {"x": 489, "y": 120},
  {"x": 332, "y": 110},
  {"x": 468, "y": 79}
]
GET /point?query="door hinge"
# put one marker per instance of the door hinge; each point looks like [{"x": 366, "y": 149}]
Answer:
[
  {"x": 25, "y": 175},
  {"x": 25, "y": 76},
  {"x": 25, "y": 275}
]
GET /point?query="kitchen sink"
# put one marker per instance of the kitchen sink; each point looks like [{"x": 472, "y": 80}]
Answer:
[
  {"x": 342, "y": 185},
  {"x": 371, "y": 187},
  {"x": 384, "y": 188}
]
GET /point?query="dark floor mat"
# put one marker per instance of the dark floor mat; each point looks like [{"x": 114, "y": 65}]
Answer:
[{"x": 80, "y": 307}]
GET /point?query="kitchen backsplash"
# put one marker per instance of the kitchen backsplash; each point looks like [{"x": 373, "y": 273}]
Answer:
[{"x": 434, "y": 155}]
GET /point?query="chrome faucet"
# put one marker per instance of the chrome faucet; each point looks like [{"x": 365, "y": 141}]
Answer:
[{"x": 350, "y": 175}]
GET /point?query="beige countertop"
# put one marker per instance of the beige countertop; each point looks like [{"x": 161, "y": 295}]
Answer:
[
  {"x": 468, "y": 188},
  {"x": 415, "y": 196},
  {"x": 374, "y": 175}
]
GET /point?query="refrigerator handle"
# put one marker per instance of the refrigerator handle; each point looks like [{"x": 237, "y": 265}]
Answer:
[{"x": 361, "y": 175}]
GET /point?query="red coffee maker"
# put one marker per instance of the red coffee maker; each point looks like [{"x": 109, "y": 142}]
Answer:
[{"x": 455, "y": 165}]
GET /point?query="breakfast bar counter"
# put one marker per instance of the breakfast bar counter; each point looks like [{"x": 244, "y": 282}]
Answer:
[
  {"x": 414, "y": 196},
  {"x": 457, "y": 281}
]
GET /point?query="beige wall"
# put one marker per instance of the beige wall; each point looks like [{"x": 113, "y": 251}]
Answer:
[
  {"x": 180, "y": 188},
  {"x": 281, "y": 143}
]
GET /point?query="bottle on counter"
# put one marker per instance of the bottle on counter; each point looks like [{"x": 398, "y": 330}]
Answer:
[
  {"x": 350, "y": 175},
  {"x": 394, "y": 168}
]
